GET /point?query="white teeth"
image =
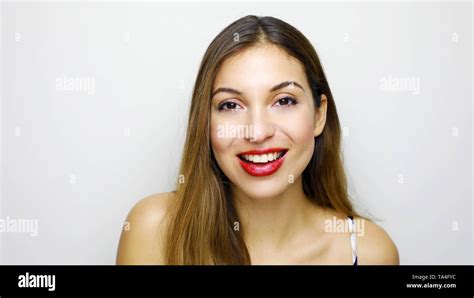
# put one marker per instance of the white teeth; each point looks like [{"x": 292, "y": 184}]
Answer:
[
  {"x": 263, "y": 158},
  {"x": 271, "y": 157}
]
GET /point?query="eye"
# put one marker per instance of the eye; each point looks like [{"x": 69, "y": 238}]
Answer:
[
  {"x": 286, "y": 101},
  {"x": 228, "y": 106}
]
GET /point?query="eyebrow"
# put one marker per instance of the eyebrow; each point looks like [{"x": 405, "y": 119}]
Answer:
[{"x": 274, "y": 88}]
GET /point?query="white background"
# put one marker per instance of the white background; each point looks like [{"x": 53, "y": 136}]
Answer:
[{"x": 81, "y": 160}]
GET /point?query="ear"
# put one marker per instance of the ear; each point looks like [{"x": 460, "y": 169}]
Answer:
[{"x": 320, "y": 116}]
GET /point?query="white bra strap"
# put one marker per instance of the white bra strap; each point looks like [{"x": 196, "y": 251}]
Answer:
[{"x": 352, "y": 228}]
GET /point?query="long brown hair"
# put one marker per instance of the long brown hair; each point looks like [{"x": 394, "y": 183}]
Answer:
[{"x": 203, "y": 215}]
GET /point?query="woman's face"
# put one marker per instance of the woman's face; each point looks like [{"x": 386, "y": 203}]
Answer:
[{"x": 263, "y": 120}]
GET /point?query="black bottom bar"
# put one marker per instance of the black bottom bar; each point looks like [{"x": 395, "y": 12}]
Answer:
[{"x": 236, "y": 280}]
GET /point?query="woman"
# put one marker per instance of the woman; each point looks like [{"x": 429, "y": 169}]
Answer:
[{"x": 262, "y": 179}]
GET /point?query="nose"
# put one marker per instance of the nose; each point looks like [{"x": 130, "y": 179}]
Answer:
[{"x": 262, "y": 127}]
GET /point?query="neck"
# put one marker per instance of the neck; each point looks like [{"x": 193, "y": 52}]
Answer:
[{"x": 268, "y": 224}]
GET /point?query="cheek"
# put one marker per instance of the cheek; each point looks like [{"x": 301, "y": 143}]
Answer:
[
  {"x": 300, "y": 129},
  {"x": 219, "y": 144}
]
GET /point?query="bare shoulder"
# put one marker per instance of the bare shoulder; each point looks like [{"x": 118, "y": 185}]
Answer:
[
  {"x": 374, "y": 245},
  {"x": 143, "y": 232}
]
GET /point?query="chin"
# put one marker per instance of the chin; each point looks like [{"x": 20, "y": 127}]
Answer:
[{"x": 264, "y": 189}]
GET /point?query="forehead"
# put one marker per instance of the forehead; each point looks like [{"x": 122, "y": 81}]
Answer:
[{"x": 259, "y": 66}]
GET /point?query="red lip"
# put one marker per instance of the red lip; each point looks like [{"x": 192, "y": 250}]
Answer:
[{"x": 262, "y": 169}]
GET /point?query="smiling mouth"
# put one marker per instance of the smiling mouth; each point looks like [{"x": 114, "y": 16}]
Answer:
[
  {"x": 263, "y": 162},
  {"x": 261, "y": 159}
]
